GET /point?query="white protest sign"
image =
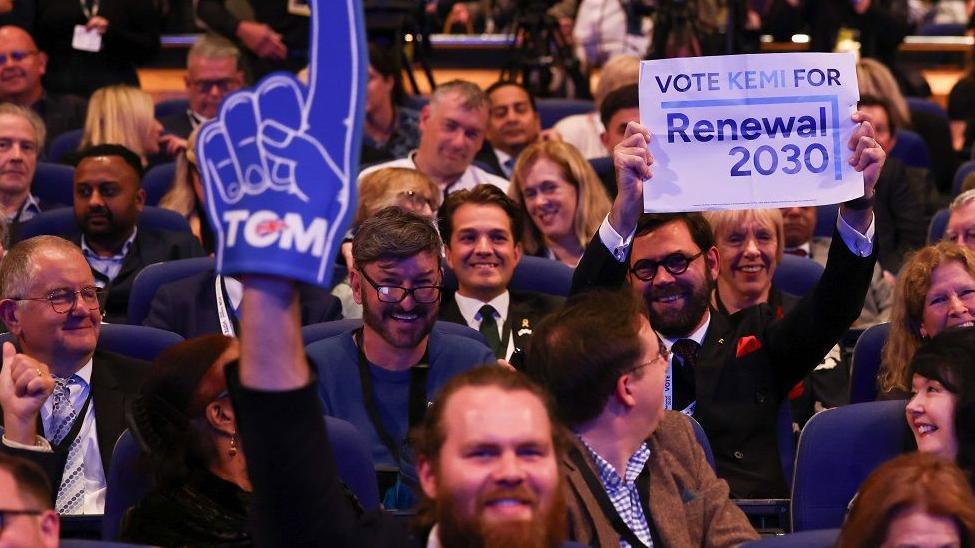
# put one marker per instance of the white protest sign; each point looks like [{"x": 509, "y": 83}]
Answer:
[{"x": 749, "y": 131}]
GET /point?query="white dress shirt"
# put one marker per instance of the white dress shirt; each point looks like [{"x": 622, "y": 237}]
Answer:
[
  {"x": 470, "y": 309},
  {"x": 93, "y": 468}
]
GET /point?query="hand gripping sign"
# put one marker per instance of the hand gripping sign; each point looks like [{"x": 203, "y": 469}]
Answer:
[
  {"x": 279, "y": 161},
  {"x": 749, "y": 131}
]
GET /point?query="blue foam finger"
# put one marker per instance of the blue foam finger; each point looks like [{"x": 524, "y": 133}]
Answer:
[{"x": 280, "y": 159}]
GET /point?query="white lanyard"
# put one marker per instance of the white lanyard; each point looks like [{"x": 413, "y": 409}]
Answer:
[
  {"x": 226, "y": 325},
  {"x": 89, "y": 13}
]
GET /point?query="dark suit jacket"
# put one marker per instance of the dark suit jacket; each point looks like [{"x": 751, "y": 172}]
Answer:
[
  {"x": 899, "y": 209},
  {"x": 488, "y": 160},
  {"x": 689, "y": 506},
  {"x": 115, "y": 382},
  {"x": 526, "y": 309},
  {"x": 739, "y": 392},
  {"x": 150, "y": 246},
  {"x": 177, "y": 123},
  {"x": 61, "y": 113},
  {"x": 189, "y": 307}
]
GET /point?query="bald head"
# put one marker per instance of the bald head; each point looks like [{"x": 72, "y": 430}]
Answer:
[{"x": 22, "y": 67}]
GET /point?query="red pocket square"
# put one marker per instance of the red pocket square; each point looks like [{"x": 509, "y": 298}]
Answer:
[{"x": 747, "y": 345}]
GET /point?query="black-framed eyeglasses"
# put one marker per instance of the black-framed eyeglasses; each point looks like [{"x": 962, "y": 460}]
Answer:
[
  {"x": 393, "y": 293},
  {"x": 64, "y": 300},
  {"x": 675, "y": 264},
  {"x": 16, "y": 56},
  {"x": 223, "y": 85},
  {"x": 5, "y": 512}
]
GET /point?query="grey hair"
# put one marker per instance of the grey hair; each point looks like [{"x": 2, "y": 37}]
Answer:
[
  {"x": 40, "y": 130},
  {"x": 213, "y": 46},
  {"x": 18, "y": 269},
  {"x": 472, "y": 96}
]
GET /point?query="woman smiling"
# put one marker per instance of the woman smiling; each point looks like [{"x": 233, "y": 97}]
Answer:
[{"x": 561, "y": 195}]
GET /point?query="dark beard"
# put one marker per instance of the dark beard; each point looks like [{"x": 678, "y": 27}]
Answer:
[
  {"x": 374, "y": 319},
  {"x": 683, "y": 322},
  {"x": 542, "y": 531}
]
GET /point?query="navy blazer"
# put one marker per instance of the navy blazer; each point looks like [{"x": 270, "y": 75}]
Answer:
[
  {"x": 188, "y": 306},
  {"x": 739, "y": 391}
]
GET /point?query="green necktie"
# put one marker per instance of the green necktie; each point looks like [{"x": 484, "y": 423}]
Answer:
[{"x": 489, "y": 328}]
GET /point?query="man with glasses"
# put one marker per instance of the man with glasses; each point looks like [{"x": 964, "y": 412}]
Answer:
[
  {"x": 213, "y": 71},
  {"x": 961, "y": 220},
  {"x": 51, "y": 306},
  {"x": 731, "y": 373},
  {"x": 380, "y": 377},
  {"x": 634, "y": 469},
  {"x": 27, "y": 519},
  {"x": 21, "y": 67}
]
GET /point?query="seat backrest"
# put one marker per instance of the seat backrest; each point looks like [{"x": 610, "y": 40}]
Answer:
[
  {"x": 703, "y": 441},
  {"x": 318, "y": 331},
  {"x": 911, "y": 149},
  {"x": 939, "y": 222},
  {"x": 602, "y": 165},
  {"x": 822, "y": 538},
  {"x": 838, "y": 448},
  {"x": 826, "y": 220},
  {"x": 61, "y": 222},
  {"x": 797, "y": 275},
  {"x": 157, "y": 181},
  {"x": 171, "y": 106},
  {"x": 538, "y": 274},
  {"x": 150, "y": 278},
  {"x": 54, "y": 183},
  {"x": 69, "y": 141},
  {"x": 134, "y": 341},
  {"x": 551, "y": 110},
  {"x": 964, "y": 170},
  {"x": 353, "y": 458},
  {"x": 130, "y": 479},
  {"x": 920, "y": 104},
  {"x": 867, "y": 354}
]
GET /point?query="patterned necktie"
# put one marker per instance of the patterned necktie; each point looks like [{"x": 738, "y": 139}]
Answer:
[
  {"x": 489, "y": 328},
  {"x": 685, "y": 359},
  {"x": 71, "y": 493}
]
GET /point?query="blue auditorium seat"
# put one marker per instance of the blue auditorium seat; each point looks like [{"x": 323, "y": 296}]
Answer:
[
  {"x": 54, "y": 183},
  {"x": 911, "y": 149},
  {"x": 939, "y": 222},
  {"x": 58, "y": 222},
  {"x": 150, "y": 278},
  {"x": 838, "y": 448},
  {"x": 866, "y": 363},
  {"x": 157, "y": 181}
]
